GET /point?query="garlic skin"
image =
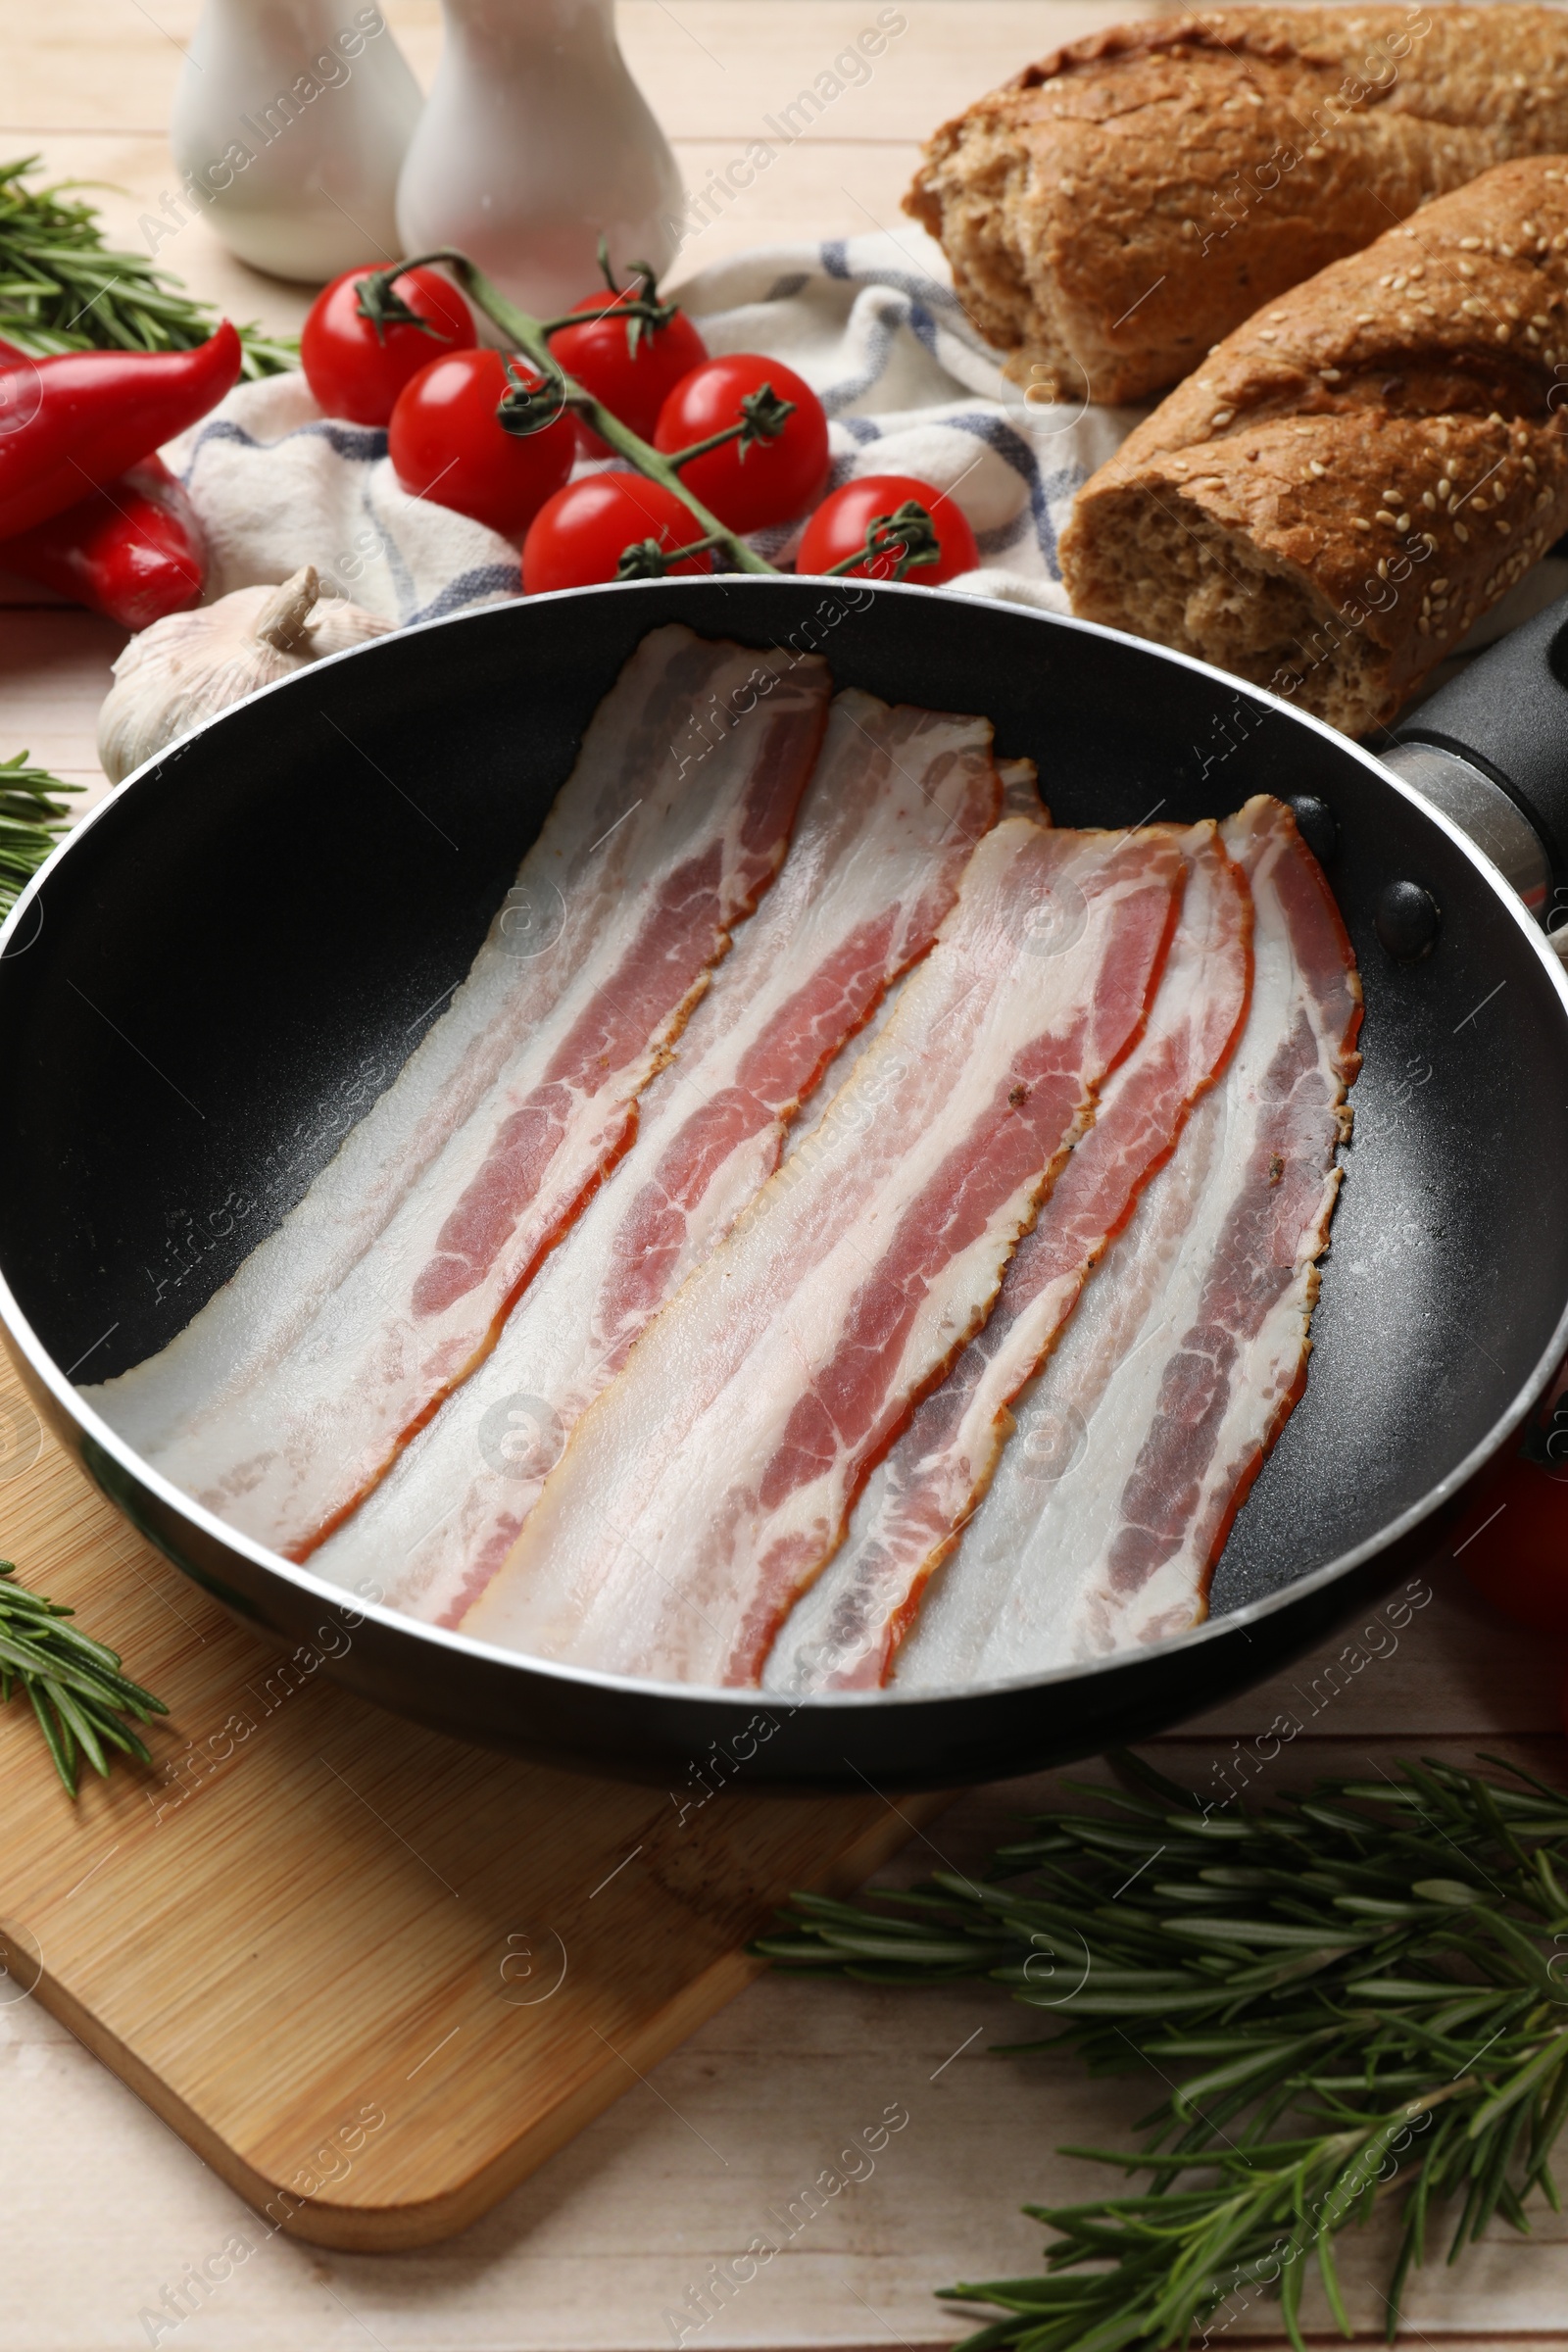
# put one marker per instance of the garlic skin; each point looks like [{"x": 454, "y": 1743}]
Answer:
[{"x": 190, "y": 666}]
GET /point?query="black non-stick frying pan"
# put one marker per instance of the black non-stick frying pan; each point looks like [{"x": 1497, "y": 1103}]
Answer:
[{"x": 222, "y": 968}]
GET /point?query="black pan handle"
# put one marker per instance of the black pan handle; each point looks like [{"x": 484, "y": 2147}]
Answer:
[{"x": 1490, "y": 750}]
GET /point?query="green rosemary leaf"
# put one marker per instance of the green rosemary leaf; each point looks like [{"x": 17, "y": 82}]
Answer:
[
  {"x": 65, "y": 1669},
  {"x": 1262, "y": 1931},
  {"x": 60, "y": 1745},
  {"x": 1329, "y": 2270},
  {"x": 1200, "y": 2089},
  {"x": 78, "y": 1695},
  {"x": 78, "y": 1722},
  {"x": 1554, "y": 1797},
  {"x": 1401, "y": 1988},
  {"x": 119, "y": 1734},
  {"x": 61, "y": 288},
  {"x": 1514, "y": 1940},
  {"x": 1551, "y": 1885},
  {"x": 1552, "y": 2055},
  {"x": 32, "y": 817},
  {"x": 930, "y": 1949},
  {"x": 1548, "y": 2121}
]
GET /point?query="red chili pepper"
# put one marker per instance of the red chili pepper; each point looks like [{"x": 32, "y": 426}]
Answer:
[
  {"x": 132, "y": 552},
  {"x": 72, "y": 423}
]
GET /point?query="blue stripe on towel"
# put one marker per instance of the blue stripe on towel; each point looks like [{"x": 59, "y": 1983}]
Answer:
[
  {"x": 363, "y": 444},
  {"x": 486, "y": 579}
]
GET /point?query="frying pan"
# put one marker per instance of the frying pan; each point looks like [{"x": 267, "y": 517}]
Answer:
[{"x": 213, "y": 978}]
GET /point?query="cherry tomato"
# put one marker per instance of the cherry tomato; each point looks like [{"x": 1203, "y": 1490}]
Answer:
[
  {"x": 447, "y": 443},
  {"x": 840, "y": 524},
  {"x": 1512, "y": 1544},
  {"x": 580, "y": 535},
  {"x": 747, "y": 486},
  {"x": 633, "y": 385},
  {"x": 355, "y": 372}
]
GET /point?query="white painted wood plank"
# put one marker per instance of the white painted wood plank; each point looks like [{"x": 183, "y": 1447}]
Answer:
[{"x": 54, "y": 672}]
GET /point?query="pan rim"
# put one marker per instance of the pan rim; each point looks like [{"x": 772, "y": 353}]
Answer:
[{"x": 821, "y": 1704}]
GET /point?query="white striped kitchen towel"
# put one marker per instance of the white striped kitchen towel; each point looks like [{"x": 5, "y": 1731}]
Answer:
[{"x": 870, "y": 323}]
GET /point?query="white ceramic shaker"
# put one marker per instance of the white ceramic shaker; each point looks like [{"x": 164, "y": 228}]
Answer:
[
  {"x": 290, "y": 123},
  {"x": 536, "y": 142}
]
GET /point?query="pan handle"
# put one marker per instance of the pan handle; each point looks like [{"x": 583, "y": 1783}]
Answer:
[{"x": 1490, "y": 750}]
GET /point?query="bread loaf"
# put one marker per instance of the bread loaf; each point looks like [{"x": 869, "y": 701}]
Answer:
[
  {"x": 1125, "y": 203},
  {"x": 1360, "y": 471}
]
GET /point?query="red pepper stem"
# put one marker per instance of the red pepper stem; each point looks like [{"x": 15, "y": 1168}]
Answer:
[{"x": 528, "y": 334}]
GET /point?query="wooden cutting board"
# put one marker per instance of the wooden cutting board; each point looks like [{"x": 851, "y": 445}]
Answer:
[{"x": 372, "y": 1977}]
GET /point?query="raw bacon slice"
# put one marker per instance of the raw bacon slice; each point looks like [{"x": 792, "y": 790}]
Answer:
[
  {"x": 289, "y": 1395},
  {"x": 1020, "y": 789},
  {"x": 1136, "y": 1446},
  {"x": 898, "y": 801},
  {"x": 842, "y": 1635},
  {"x": 1020, "y": 797},
  {"x": 603, "y": 831},
  {"x": 706, "y": 1487}
]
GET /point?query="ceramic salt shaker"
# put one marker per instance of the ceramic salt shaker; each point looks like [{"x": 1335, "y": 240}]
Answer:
[
  {"x": 290, "y": 123},
  {"x": 536, "y": 142}
]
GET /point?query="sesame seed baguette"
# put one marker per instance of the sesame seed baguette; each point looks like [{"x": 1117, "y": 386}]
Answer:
[
  {"x": 1359, "y": 472},
  {"x": 1122, "y": 205}
]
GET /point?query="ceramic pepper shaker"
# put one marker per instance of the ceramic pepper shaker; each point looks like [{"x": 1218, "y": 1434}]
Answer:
[
  {"x": 290, "y": 123},
  {"x": 536, "y": 142}
]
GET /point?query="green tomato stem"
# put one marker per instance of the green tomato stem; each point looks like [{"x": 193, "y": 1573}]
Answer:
[
  {"x": 909, "y": 536},
  {"x": 646, "y": 560},
  {"x": 700, "y": 449},
  {"x": 657, "y": 313}
]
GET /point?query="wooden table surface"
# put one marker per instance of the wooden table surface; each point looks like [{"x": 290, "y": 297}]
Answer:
[{"x": 101, "y": 2207}]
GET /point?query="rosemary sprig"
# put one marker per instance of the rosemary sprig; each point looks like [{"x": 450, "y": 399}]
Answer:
[
  {"x": 32, "y": 820},
  {"x": 1360, "y": 1986},
  {"x": 79, "y": 1695},
  {"x": 61, "y": 288}
]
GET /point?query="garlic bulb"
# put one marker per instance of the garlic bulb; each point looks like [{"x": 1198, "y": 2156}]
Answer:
[{"x": 190, "y": 666}]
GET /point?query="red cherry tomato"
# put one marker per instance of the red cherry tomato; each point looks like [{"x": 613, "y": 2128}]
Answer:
[
  {"x": 580, "y": 535},
  {"x": 356, "y": 373},
  {"x": 447, "y": 443},
  {"x": 841, "y": 523},
  {"x": 753, "y": 484},
  {"x": 632, "y": 385},
  {"x": 1512, "y": 1544}
]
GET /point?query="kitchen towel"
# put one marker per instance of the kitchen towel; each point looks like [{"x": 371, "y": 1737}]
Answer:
[{"x": 870, "y": 323}]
